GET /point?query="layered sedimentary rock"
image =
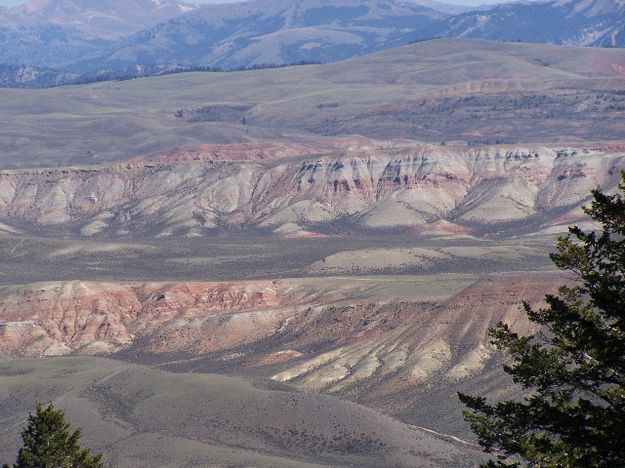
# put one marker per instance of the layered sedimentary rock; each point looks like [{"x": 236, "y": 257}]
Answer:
[
  {"x": 194, "y": 192},
  {"x": 406, "y": 344},
  {"x": 84, "y": 317},
  {"x": 315, "y": 334}
]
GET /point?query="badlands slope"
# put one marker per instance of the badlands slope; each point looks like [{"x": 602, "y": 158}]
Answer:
[
  {"x": 429, "y": 188},
  {"x": 391, "y": 342},
  {"x": 287, "y": 226}
]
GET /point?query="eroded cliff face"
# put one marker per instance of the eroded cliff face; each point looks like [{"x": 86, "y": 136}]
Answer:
[
  {"x": 87, "y": 317},
  {"x": 315, "y": 334},
  {"x": 376, "y": 188}
]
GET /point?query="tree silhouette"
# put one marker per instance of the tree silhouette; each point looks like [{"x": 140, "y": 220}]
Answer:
[
  {"x": 573, "y": 370},
  {"x": 48, "y": 443}
]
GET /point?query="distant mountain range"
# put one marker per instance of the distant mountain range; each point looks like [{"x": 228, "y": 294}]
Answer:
[
  {"x": 106, "y": 19},
  {"x": 65, "y": 41},
  {"x": 570, "y": 22}
]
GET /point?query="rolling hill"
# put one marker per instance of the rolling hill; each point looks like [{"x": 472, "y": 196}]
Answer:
[
  {"x": 518, "y": 133},
  {"x": 144, "y": 417},
  {"x": 466, "y": 92},
  {"x": 274, "y": 32},
  {"x": 123, "y": 39}
]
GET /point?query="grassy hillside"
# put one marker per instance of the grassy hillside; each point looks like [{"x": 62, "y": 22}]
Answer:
[
  {"x": 143, "y": 417},
  {"x": 28, "y": 259},
  {"x": 442, "y": 90}
]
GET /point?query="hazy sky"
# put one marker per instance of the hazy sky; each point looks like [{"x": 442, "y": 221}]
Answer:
[{"x": 458, "y": 2}]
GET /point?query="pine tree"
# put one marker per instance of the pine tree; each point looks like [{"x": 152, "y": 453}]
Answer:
[
  {"x": 48, "y": 443},
  {"x": 573, "y": 370}
]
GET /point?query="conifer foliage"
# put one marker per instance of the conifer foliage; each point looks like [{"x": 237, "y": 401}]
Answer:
[
  {"x": 48, "y": 443},
  {"x": 573, "y": 369}
]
